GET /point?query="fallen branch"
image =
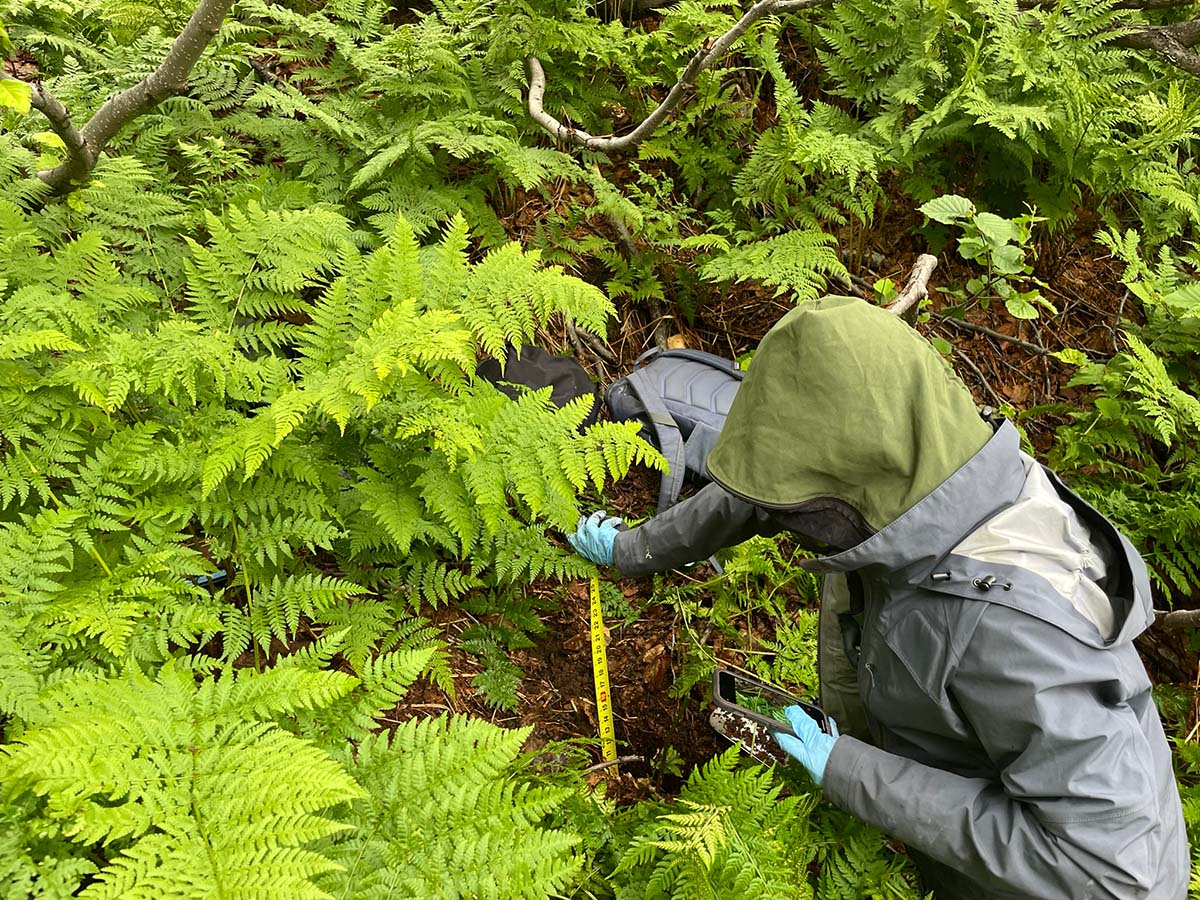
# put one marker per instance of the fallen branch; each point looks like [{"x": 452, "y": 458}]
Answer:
[
  {"x": 987, "y": 385},
  {"x": 84, "y": 145},
  {"x": 1179, "y": 618},
  {"x": 915, "y": 289},
  {"x": 1172, "y": 42},
  {"x": 992, "y": 333},
  {"x": 709, "y": 53},
  {"x": 598, "y": 346}
]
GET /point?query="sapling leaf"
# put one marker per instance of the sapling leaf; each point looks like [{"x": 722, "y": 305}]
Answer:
[
  {"x": 1009, "y": 260},
  {"x": 1071, "y": 355},
  {"x": 973, "y": 248},
  {"x": 15, "y": 94},
  {"x": 998, "y": 230},
  {"x": 1019, "y": 307},
  {"x": 942, "y": 346},
  {"x": 948, "y": 209}
]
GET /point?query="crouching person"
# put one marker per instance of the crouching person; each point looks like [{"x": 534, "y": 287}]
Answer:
[{"x": 977, "y": 617}]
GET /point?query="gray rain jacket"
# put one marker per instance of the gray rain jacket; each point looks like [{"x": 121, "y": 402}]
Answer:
[
  {"x": 1013, "y": 748},
  {"x": 977, "y": 635}
]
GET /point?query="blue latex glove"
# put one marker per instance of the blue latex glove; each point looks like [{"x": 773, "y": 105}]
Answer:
[
  {"x": 594, "y": 536},
  {"x": 811, "y": 746}
]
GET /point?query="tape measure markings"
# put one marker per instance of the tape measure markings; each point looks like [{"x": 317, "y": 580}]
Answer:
[{"x": 608, "y": 741}]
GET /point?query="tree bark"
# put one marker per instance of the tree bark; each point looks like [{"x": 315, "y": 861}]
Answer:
[
  {"x": 1180, "y": 618},
  {"x": 1173, "y": 43},
  {"x": 84, "y": 145},
  {"x": 78, "y": 159}
]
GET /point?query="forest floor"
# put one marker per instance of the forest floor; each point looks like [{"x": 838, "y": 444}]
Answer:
[{"x": 1002, "y": 359}]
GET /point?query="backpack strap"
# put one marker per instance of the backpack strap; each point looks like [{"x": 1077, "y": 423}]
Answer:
[
  {"x": 729, "y": 366},
  {"x": 666, "y": 432}
]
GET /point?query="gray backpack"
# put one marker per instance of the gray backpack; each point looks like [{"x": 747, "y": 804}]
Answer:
[{"x": 681, "y": 398}]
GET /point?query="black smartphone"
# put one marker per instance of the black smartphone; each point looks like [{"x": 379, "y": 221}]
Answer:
[{"x": 745, "y": 696}]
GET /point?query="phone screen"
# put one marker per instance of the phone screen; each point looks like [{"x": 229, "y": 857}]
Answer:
[
  {"x": 755, "y": 699},
  {"x": 751, "y": 695}
]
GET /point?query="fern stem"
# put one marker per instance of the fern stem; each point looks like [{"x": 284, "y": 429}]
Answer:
[
  {"x": 241, "y": 566},
  {"x": 208, "y": 847}
]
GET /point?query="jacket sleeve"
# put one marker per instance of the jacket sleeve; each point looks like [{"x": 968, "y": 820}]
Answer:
[
  {"x": 692, "y": 530},
  {"x": 1074, "y": 812}
]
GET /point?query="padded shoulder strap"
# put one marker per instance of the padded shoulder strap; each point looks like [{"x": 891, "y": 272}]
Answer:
[{"x": 670, "y": 441}]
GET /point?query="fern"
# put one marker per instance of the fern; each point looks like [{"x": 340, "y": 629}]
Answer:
[
  {"x": 198, "y": 814},
  {"x": 729, "y": 835},
  {"x": 797, "y": 261},
  {"x": 1133, "y": 452},
  {"x": 444, "y": 818}
]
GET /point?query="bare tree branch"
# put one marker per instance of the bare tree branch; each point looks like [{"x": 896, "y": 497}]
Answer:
[
  {"x": 992, "y": 333},
  {"x": 84, "y": 145},
  {"x": 709, "y": 53},
  {"x": 60, "y": 122},
  {"x": 1172, "y": 42},
  {"x": 915, "y": 289},
  {"x": 1180, "y": 618}
]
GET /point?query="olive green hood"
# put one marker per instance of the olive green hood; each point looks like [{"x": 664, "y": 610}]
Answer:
[{"x": 844, "y": 400}]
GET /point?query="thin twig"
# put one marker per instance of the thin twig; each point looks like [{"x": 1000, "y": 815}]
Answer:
[
  {"x": 609, "y": 763},
  {"x": 987, "y": 386},
  {"x": 1120, "y": 312},
  {"x": 709, "y": 52},
  {"x": 992, "y": 333}
]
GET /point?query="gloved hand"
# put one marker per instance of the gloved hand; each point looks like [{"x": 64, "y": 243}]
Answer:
[
  {"x": 811, "y": 746},
  {"x": 594, "y": 536}
]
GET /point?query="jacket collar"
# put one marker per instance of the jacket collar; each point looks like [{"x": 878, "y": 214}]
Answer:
[{"x": 912, "y": 545}]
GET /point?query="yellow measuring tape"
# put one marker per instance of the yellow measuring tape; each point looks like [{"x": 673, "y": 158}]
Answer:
[{"x": 608, "y": 740}]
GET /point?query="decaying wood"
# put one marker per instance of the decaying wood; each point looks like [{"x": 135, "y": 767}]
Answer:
[{"x": 1173, "y": 43}]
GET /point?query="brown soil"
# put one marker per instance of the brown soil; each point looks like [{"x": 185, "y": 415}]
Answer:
[{"x": 557, "y": 695}]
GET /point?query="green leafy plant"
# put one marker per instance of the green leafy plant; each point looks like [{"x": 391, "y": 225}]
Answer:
[
  {"x": 443, "y": 815},
  {"x": 1001, "y": 246},
  {"x": 762, "y": 578},
  {"x": 248, "y": 344},
  {"x": 1132, "y": 450}
]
